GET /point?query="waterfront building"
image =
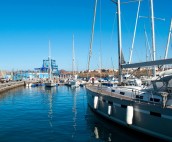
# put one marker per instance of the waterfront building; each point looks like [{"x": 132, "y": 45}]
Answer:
[{"x": 45, "y": 68}]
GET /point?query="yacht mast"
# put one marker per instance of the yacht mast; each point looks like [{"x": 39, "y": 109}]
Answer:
[
  {"x": 50, "y": 60},
  {"x": 153, "y": 36},
  {"x": 119, "y": 40},
  {"x": 73, "y": 58}
]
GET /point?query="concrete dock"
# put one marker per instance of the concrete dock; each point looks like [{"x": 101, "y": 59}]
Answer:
[{"x": 10, "y": 85}]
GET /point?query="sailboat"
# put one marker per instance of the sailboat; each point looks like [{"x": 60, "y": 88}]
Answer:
[
  {"x": 74, "y": 83},
  {"x": 147, "y": 110},
  {"x": 50, "y": 82}
]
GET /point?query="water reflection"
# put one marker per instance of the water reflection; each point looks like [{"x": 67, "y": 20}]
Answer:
[
  {"x": 50, "y": 91},
  {"x": 11, "y": 93},
  {"x": 97, "y": 134},
  {"x": 74, "y": 110},
  {"x": 57, "y": 114}
]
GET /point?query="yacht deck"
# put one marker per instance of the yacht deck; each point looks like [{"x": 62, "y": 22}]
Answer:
[{"x": 104, "y": 91}]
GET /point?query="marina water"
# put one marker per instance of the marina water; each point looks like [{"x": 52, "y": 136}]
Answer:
[{"x": 41, "y": 114}]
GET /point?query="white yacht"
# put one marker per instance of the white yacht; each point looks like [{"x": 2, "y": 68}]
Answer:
[
  {"x": 147, "y": 110},
  {"x": 74, "y": 82}
]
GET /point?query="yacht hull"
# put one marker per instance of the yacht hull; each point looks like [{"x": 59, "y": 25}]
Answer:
[
  {"x": 149, "y": 118},
  {"x": 74, "y": 84},
  {"x": 50, "y": 84}
]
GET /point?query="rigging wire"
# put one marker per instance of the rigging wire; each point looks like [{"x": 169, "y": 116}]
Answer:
[
  {"x": 135, "y": 28},
  {"x": 114, "y": 21},
  {"x": 148, "y": 45},
  {"x": 168, "y": 41},
  {"x": 126, "y": 26},
  {"x": 92, "y": 35},
  {"x": 111, "y": 39}
]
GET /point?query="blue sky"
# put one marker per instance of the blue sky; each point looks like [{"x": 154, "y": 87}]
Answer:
[{"x": 27, "y": 25}]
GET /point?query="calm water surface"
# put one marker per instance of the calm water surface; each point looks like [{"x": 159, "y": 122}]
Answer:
[{"x": 58, "y": 114}]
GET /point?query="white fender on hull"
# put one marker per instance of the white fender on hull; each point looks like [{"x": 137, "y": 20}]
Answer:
[
  {"x": 96, "y": 102},
  {"x": 109, "y": 110},
  {"x": 96, "y": 132},
  {"x": 129, "y": 115}
]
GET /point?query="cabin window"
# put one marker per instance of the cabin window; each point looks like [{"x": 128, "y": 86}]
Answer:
[
  {"x": 155, "y": 114},
  {"x": 122, "y": 93},
  {"x": 159, "y": 84},
  {"x": 109, "y": 102},
  {"x": 124, "y": 106},
  {"x": 154, "y": 100},
  {"x": 113, "y": 90},
  {"x": 139, "y": 97}
]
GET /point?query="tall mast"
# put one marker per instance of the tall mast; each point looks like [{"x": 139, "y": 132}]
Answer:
[
  {"x": 50, "y": 59},
  {"x": 168, "y": 42},
  {"x": 119, "y": 41},
  {"x": 153, "y": 36},
  {"x": 73, "y": 57}
]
